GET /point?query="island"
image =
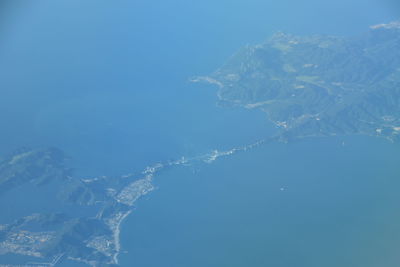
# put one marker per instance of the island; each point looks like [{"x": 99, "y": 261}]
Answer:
[
  {"x": 79, "y": 219},
  {"x": 308, "y": 86},
  {"x": 88, "y": 228},
  {"x": 318, "y": 85}
]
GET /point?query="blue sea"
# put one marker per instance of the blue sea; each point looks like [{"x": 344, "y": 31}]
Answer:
[
  {"x": 310, "y": 203},
  {"x": 108, "y": 83}
]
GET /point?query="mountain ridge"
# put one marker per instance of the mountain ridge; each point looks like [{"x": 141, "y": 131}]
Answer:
[{"x": 319, "y": 85}]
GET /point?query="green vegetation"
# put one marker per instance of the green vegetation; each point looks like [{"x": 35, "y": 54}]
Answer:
[
  {"x": 87, "y": 239},
  {"x": 39, "y": 167},
  {"x": 320, "y": 85}
]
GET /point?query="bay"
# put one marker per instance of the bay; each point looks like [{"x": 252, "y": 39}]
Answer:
[
  {"x": 309, "y": 203},
  {"x": 107, "y": 83}
]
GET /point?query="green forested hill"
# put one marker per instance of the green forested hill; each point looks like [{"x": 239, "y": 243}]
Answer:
[{"x": 319, "y": 85}]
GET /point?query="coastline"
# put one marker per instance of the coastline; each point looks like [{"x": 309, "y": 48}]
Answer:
[{"x": 116, "y": 236}]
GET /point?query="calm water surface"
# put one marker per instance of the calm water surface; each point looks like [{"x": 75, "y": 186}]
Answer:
[
  {"x": 107, "y": 83},
  {"x": 310, "y": 203}
]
